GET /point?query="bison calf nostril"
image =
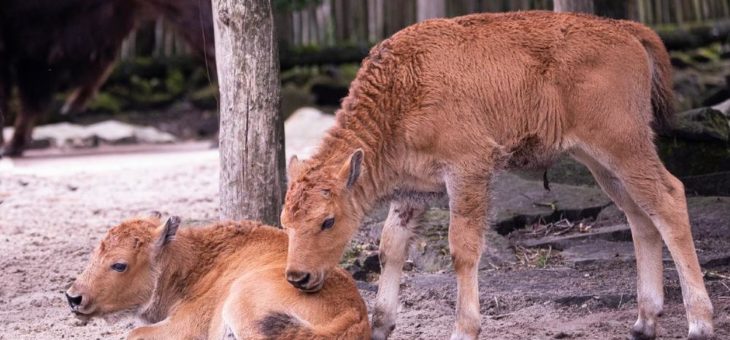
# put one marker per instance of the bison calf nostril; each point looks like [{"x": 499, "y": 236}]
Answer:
[
  {"x": 298, "y": 279},
  {"x": 73, "y": 301}
]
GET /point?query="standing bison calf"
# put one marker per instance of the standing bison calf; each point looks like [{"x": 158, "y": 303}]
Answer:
[
  {"x": 443, "y": 105},
  {"x": 206, "y": 283}
]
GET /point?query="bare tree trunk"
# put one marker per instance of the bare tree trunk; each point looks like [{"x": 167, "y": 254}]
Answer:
[
  {"x": 252, "y": 181},
  {"x": 585, "y": 6},
  {"x": 427, "y": 9}
]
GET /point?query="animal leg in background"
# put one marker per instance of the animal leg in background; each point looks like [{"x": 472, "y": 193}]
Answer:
[{"x": 35, "y": 86}]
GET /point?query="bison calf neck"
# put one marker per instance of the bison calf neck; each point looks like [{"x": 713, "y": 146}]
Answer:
[{"x": 442, "y": 105}]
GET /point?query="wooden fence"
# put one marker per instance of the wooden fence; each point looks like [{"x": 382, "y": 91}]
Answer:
[{"x": 364, "y": 22}]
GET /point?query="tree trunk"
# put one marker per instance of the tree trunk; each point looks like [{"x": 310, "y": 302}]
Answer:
[
  {"x": 252, "y": 181},
  {"x": 427, "y": 9},
  {"x": 585, "y": 6}
]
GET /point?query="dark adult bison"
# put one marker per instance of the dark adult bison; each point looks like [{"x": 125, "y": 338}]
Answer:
[{"x": 49, "y": 45}]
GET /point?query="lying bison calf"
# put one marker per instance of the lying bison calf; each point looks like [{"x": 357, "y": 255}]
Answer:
[{"x": 211, "y": 282}]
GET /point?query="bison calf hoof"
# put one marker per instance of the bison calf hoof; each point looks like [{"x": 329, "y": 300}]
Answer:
[
  {"x": 700, "y": 333},
  {"x": 381, "y": 332},
  {"x": 638, "y": 335}
]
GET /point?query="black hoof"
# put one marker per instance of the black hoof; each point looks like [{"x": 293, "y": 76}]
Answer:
[{"x": 636, "y": 335}]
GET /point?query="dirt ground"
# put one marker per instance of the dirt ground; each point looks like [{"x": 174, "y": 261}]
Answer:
[{"x": 53, "y": 211}]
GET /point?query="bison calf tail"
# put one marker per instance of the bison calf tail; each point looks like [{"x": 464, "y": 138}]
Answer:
[
  {"x": 278, "y": 325},
  {"x": 662, "y": 95}
]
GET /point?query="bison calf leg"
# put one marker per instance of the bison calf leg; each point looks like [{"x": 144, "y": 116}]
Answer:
[
  {"x": 647, "y": 245},
  {"x": 397, "y": 233},
  {"x": 468, "y": 199},
  {"x": 660, "y": 196}
]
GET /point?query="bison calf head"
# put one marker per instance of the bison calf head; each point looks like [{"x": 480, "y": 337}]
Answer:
[
  {"x": 121, "y": 273},
  {"x": 320, "y": 216}
]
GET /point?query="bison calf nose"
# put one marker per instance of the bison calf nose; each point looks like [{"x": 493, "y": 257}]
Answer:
[
  {"x": 298, "y": 279},
  {"x": 73, "y": 301}
]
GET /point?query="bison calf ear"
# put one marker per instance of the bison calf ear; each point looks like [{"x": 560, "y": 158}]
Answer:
[
  {"x": 169, "y": 229},
  {"x": 352, "y": 168},
  {"x": 294, "y": 168}
]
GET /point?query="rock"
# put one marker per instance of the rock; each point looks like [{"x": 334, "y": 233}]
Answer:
[
  {"x": 703, "y": 124},
  {"x": 371, "y": 262},
  {"x": 598, "y": 252},
  {"x": 723, "y": 107},
  {"x": 152, "y": 136},
  {"x": 357, "y": 272},
  {"x": 614, "y": 233},
  {"x": 609, "y": 216},
  {"x": 365, "y": 266},
  {"x": 63, "y": 135},
  {"x": 115, "y": 132},
  {"x": 606, "y": 300},
  {"x": 304, "y": 129},
  {"x": 714, "y": 261},
  {"x": 67, "y": 135},
  {"x": 518, "y": 202},
  {"x": 684, "y": 157},
  {"x": 714, "y": 184}
]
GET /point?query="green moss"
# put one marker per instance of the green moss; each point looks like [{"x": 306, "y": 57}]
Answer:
[
  {"x": 105, "y": 102},
  {"x": 205, "y": 98},
  {"x": 685, "y": 158}
]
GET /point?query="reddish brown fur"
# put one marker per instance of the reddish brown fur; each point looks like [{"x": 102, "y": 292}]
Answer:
[
  {"x": 443, "y": 105},
  {"x": 208, "y": 281}
]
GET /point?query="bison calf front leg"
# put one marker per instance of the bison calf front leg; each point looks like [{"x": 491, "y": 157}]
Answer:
[
  {"x": 397, "y": 233},
  {"x": 468, "y": 203}
]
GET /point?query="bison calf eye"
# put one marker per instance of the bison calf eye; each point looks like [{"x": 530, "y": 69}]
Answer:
[
  {"x": 119, "y": 267},
  {"x": 328, "y": 223}
]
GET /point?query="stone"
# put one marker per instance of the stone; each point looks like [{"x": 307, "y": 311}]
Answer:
[
  {"x": 617, "y": 233},
  {"x": 304, "y": 130},
  {"x": 67, "y": 135},
  {"x": 518, "y": 202},
  {"x": 63, "y": 135},
  {"x": 116, "y": 132},
  {"x": 723, "y": 107},
  {"x": 371, "y": 262},
  {"x": 703, "y": 124},
  {"x": 598, "y": 252},
  {"x": 713, "y": 184}
]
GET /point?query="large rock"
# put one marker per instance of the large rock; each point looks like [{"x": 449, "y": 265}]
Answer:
[
  {"x": 67, "y": 135},
  {"x": 723, "y": 107},
  {"x": 304, "y": 130},
  {"x": 704, "y": 124},
  {"x": 116, "y": 132},
  {"x": 518, "y": 202}
]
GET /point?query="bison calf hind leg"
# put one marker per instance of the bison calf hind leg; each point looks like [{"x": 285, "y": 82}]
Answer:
[{"x": 659, "y": 195}]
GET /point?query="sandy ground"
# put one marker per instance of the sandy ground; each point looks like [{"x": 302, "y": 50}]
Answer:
[{"x": 53, "y": 211}]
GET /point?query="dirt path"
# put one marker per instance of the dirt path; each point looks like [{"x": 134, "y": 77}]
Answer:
[{"x": 53, "y": 212}]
